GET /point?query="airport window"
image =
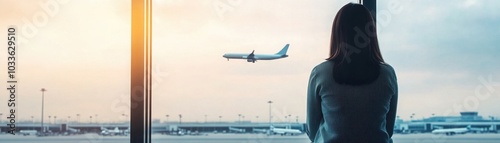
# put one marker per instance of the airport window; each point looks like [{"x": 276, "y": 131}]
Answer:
[
  {"x": 78, "y": 60},
  {"x": 445, "y": 58},
  {"x": 435, "y": 47},
  {"x": 203, "y": 91},
  {"x": 73, "y": 55}
]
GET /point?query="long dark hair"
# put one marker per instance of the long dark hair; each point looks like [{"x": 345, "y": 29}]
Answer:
[{"x": 354, "y": 46}]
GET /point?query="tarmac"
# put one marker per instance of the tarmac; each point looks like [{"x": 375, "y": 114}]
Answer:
[{"x": 243, "y": 138}]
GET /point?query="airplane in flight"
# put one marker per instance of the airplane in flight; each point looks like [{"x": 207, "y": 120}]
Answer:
[
  {"x": 452, "y": 131},
  {"x": 254, "y": 57},
  {"x": 285, "y": 131}
]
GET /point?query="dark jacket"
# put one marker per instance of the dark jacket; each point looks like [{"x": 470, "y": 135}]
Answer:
[{"x": 351, "y": 114}]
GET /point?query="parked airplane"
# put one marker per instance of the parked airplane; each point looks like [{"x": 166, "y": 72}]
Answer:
[
  {"x": 452, "y": 131},
  {"x": 28, "y": 132},
  {"x": 255, "y": 130},
  {"x": 114, "y": 132},
  {"x": 285, "y": 131},
  {"x": 237, "y": 130},
  {"x": 71, "y": 131},
  {"x": 254, "y": 57}
]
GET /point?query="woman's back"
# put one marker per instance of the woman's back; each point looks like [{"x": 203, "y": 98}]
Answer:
[
  {"x": 339, "y": 113},
  {"x": 352, "y": 97}
]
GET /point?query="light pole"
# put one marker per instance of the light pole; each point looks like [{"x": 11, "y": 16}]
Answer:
[
  {"x": 180, "y": 119},
  {"x": 220, "y": 119},
  {"x": 1, "y": 118},
  {"x": 297, "y": 119},
  {"x": 32, "y": 122},
  {"x": 69, "y": 119},
  {"x": 270, "y": 124},
  {"x": 289, "y": 119},
  {"x": 411, "y": 117},
  {"x": 125, "y": 119},
  {"x": 55, "y": 119},
  {"x": 167, "y": 118},
  {"x": 96, "y": 121},
  {"x": 77, "y": 118},
  {"x": 257, "y": 119},
  {"x": 205, "y": 118},
  {"x": 50, "y": 122},
  {"x": 90, "y": 119},
  {"x": 42, "y": 129},
  {"x": 239, "y": 118}
]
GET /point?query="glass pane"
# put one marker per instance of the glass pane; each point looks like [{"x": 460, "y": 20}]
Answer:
[
  {"x": 79, "y": 52},
  {"x": 200, "y": 95},
  {"x": 445, "y": 56}
]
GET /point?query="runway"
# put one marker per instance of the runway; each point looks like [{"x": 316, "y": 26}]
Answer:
[
  {"x": 243, "y": 138},
  {"x": 431, "y": 138}
]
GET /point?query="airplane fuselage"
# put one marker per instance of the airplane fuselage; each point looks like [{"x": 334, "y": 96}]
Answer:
[
  {"x": 256, "y": 56},
  {"x": 251, "y": 57},
  {"x": 451, "y": 131},
  {"x": 286, "y": 131},
  {"x": 116, "y": 131},
  {"x": 237, "y": 130}
]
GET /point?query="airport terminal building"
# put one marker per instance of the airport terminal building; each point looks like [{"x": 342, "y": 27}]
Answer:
[
  {"x": 161, "y": 128},
  {"x": 477, "y": 123}
]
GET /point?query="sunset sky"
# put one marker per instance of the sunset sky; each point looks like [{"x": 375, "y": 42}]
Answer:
[{"x": 445, "y": 54}]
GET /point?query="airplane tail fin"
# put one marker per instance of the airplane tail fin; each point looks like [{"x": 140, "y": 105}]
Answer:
[
  {"x": 271, "y": 127},
  {"x": 283, "y": 51}
]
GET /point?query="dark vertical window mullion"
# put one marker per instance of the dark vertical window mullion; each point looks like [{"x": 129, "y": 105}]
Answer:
[
  {"x": 372, "y": 7},
  {"x": 140, "y": 92}
]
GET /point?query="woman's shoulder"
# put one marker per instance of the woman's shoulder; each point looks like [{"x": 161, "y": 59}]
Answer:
[
  {"x": 325, "y": 65},
  {"x": 386, "y": 66},
  {"x": 388, "y": 69},
  {"x": 329, "y": 65}
]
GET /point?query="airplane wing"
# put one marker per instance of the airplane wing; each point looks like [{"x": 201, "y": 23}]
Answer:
[{"x": 251, "y": 57}]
